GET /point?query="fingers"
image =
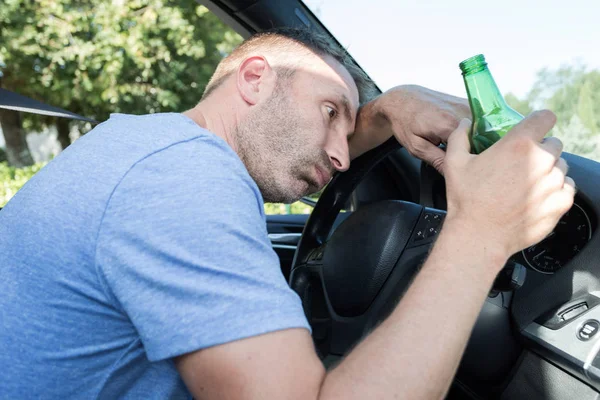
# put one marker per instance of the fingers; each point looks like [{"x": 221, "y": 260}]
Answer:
[
  {"x": 428, "y": 152},
  {"x": 555, "y": 180},
  {"x": 569, "y": 187},
  {"x": 541, "y": 155},
  {"x": 535, "y": 126},
  {"x": 562, "y": 166},
  {"x": 561, "y": 201},
  {"x": 458, "y": 142},
  {"x": 436, "y": 159},
  {"x": 553, "y": 146},
  {"x": 444, "y": 123}
]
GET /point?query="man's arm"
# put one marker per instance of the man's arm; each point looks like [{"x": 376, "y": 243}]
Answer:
[
  {"x": 403, "y": 358},
  {"x": 415, "y": 352},
  {"x": 420, "y": 119},
  {"x": 497, "y": 204}
]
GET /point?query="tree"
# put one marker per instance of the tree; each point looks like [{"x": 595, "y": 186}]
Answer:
[
  {"x": 578, "y": 139},
  {"x": 17, "y": 151},
  {"x": 522, "y": 106},
  {"x": 585, "y": 107},
  {"x": 573, "y": 94},
  {"x": 95, "y": 58}
]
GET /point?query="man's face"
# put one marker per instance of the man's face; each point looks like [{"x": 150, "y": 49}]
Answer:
[{"x": 294, "y": 141}]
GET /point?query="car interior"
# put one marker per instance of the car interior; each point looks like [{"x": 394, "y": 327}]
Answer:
[
  {"x": 535, "y": 335},
  {"x": 353, "y": 257}
]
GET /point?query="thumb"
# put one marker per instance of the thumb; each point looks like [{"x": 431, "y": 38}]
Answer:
[{"x": 458, "y": 142}]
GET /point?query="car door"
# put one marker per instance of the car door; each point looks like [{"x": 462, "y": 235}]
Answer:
[{"x": 284, "y": 232}]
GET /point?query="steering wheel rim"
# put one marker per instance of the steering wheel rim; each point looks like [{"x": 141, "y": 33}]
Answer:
[
  {"x": 350, "y": 296},
  {"x": 333, "y": 198}
]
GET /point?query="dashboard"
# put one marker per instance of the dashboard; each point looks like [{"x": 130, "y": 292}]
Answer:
[
  {"x": 541, "y": 329},
  {"x": 572, "y": 233}
]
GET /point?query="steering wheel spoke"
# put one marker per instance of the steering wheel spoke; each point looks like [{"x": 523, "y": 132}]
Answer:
[{"x": 351, "y": 279}]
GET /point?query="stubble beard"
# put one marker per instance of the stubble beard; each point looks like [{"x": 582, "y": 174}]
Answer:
[{"x": 271, "y": 145}]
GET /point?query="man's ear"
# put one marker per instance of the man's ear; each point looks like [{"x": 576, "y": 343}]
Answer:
[{"x": 254, "y": 79}]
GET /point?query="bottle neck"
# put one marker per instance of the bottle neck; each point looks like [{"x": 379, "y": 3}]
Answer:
[{"x": 484, "y": 95}]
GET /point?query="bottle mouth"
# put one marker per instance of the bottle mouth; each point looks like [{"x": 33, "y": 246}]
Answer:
[{"x": 474, "y": 64}]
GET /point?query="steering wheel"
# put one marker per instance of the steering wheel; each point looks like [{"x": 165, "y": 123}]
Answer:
[{"x": 352, "y": 279}]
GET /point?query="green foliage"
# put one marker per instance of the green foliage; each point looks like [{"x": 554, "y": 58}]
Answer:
[
  {"x": 284, "y": 209},
  {"x": 94, "y": 58},
  {"x": 585, "y": 107},
  {"x": 294, "y": 208},
  {"x": 573, "y": 94},
  {"x": 578, "y": 139},
  {"x": 521, "y": 106},
  {"x": 12, "y": 179}
]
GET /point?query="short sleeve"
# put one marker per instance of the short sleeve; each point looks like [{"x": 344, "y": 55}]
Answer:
[{"x": 183, "y": 251}]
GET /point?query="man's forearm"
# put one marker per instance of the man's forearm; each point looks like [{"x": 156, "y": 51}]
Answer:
[
  {"x": 416, "y": 350},
  {"x": 418, "y": 117},
  {"x": 372, "y": 129}
]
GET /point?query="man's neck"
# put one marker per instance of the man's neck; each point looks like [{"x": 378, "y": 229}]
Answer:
[{"x": 211, "y": 118}]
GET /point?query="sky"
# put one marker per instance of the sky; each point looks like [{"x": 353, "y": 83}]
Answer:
[{"x": 423, "y": 41}]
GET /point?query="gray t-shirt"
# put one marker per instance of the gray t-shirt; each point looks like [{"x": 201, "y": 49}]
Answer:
[{"x": 144, "y": 240}]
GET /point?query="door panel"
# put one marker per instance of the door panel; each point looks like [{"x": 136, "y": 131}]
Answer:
[
  {"x": 291, "y": 223},
  {"x": 284, "y": 232}
]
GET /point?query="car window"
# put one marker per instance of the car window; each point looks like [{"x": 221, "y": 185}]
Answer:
[
  {"x": 304, "y": 206},
  {"x": 98, "y": 58},
  {"x": 540, "y": 56},
  {"x": 286, "y": 209}
]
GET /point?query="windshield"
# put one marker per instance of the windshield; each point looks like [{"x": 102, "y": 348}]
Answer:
[{"x": 541, "y": 56}]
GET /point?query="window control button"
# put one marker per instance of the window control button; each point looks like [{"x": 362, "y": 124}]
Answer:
[{"x": 588, "y": 330}]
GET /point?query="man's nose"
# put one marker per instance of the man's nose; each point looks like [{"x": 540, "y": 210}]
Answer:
[{"x": 339, "y": 154}]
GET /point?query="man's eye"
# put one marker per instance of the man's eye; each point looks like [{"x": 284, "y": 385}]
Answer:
[{"x": 332, "y": 112}]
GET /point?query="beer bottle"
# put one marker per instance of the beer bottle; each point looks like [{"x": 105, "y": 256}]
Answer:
[{"x": 491, "y": 116}]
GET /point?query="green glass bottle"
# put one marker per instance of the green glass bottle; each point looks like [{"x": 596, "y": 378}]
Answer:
[{"x": 492, "y": 117}]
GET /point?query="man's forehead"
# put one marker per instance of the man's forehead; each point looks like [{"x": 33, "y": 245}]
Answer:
[{"x": 335, "y": 75}]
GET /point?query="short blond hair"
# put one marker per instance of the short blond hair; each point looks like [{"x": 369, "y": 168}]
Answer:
[{"x": 286, "y": 42}]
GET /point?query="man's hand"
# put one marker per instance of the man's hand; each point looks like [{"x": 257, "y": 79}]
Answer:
[
  {"x": 513, "y": 193},
  {"x": 420, "y": 119}
]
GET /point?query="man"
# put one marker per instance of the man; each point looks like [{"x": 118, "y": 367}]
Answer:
[{"x": 137, "y": 264}]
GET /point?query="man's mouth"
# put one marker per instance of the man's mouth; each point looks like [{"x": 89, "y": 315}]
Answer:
[{"x": 322, "y": 177}]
